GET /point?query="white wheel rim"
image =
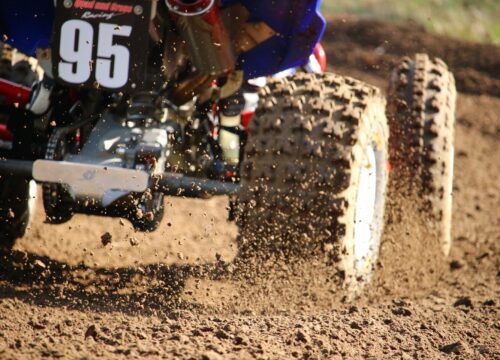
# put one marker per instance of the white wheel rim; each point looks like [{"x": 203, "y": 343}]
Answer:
[
  {"x": 365, "y": 244},
  {"x": 31, "y": 201},
  {"x": 449, "y": 204}
]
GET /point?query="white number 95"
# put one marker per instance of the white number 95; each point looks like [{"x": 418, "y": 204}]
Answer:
[{"x": 76, "y": 43}]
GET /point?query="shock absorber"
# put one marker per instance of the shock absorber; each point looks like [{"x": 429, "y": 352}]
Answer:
[
  {"x": 201, "y": 25},
  {"x": 230, "y": 133}
]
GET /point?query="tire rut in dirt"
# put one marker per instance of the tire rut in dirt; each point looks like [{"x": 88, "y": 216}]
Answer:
[{"x": 301, "y": 170}]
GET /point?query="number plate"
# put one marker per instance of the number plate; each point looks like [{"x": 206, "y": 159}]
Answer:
[{"x": 101, "y": 44}]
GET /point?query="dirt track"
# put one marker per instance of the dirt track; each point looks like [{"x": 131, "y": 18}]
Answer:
[{"x": 62, "y": 294}]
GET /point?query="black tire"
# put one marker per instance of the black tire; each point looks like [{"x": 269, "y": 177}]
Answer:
[
  {"x": 16, "y": 209},
  {"x": 305, "y": 152},
  {"x": 57, "y": 202},
  {"x": 149, "y": 212},
  {"x": 421, "y": 113},
  {"x": 16, "y": 193}
]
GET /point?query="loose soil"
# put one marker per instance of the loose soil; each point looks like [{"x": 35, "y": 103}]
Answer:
[{"x": 176, "y": 292}]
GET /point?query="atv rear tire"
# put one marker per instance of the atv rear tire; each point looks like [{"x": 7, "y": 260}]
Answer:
[
  {"x": 421, "y": 113},
  {"x": 17, "y": 194},
  {"x": 313, "y": 140},
  {"x": 17, "y": 202}
]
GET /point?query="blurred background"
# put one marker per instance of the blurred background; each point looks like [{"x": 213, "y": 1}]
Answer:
[{"x": 473, "y": 20}]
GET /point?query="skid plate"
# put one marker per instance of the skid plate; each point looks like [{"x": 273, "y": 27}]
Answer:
[{"x": 87, "y": 180}]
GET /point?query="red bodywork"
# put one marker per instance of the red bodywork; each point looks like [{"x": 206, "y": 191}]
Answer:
[
  {"x": 5, "y": 134},
  {"x": 14, "y": 93},
  {"x": 320, "y": 55}
]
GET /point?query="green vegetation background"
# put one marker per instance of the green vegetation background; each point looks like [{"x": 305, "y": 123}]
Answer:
[{"x": 475, "y": 20}]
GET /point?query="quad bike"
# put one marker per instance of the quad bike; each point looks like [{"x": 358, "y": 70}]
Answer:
[{"x": 157, "y": 97}]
